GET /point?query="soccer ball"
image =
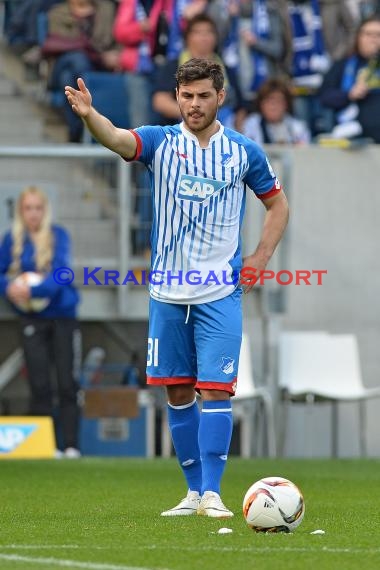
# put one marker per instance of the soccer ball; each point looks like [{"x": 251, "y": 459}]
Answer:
[
  {"x": 273, "y": 504},
  {"x": 32, "y": 305}
]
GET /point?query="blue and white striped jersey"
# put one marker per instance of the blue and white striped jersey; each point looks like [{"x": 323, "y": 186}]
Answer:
[{"x": 198, "y": 206}]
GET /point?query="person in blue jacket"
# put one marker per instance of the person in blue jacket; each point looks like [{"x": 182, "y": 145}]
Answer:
[
  {"x": 36, "y": 245},
  {"x": 352, "y": 86}
]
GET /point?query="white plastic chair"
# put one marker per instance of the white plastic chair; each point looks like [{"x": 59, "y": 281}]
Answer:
[
  {"x": 317, "y": 366},
  {"x": 246, "y": 410}
]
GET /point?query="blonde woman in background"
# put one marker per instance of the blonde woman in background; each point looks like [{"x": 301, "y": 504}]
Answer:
[{"x": 47, "y": 310}]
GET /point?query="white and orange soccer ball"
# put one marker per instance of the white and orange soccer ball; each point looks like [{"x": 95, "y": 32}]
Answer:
[
  {"x": 273, "y": 504},
  {"x": 36, "y": 304}
]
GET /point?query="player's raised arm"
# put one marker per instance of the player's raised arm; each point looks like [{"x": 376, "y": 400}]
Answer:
[{"x": 118, "y": 140}]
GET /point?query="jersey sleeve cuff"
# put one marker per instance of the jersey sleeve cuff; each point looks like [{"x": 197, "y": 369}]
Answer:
[
  {"x": 138, "y": 147},
  {"x": 276, "y": 189}
]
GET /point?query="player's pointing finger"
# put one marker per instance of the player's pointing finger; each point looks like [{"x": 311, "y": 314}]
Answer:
[{"x": 81, "y": 85}]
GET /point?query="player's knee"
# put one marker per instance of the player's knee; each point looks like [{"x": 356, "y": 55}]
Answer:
[
  {"x": 180, "y": 395},
  {"x": 215, "y": 395}
]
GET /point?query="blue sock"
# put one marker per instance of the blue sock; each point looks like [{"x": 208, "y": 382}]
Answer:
[
  {"x": 184, "y": 424},
  {"x": 215, "y": 431}
]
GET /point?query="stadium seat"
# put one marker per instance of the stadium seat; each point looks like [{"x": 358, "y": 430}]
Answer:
[
  {"x": 108, "y": 97},
  {"x": 253, "y": 407},
  {"x": 319, "y": 367}
]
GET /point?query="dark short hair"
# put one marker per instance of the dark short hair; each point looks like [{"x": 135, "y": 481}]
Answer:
[
  {"x": 200, "y": 19},
  {"x": 196, "y": 69},
  {"x": 275, "y": 85}
]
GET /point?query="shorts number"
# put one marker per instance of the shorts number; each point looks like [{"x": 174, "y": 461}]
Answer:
[{"x": 152, "y": 358}]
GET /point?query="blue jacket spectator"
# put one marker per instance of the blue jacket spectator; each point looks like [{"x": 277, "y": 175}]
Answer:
[
  {"x": 310, "y": 61},
  {"x": 352, "y": 86},
  {"x": 63, "y": 298},
  {"x": 35, "y": 245}
]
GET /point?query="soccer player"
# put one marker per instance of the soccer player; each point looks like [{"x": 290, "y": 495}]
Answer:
[{"x": 199, "y": 173}]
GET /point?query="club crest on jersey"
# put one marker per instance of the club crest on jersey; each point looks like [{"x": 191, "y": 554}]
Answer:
[
  {"x": 227, "y": 365},
  {"x": 197, "y": 189},
  {"x": 226, "y": 159}
]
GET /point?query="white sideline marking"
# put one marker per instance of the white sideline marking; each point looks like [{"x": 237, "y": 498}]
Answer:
[
  {"x": 97, "y": 566},
  {"x": 42, "y": 546},
  {"x": 68, "y": 563},
  {"x": 265, "y": 549}
]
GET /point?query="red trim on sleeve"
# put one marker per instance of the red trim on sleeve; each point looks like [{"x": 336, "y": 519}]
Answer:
[
  {"x": 276, "y": 188},
  {"x": 138, "y": 148},
  {"x": 170, "y": 380}
]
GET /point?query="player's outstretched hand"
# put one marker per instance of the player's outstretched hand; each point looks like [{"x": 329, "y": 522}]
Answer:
[{"x": 80, "y": 100}]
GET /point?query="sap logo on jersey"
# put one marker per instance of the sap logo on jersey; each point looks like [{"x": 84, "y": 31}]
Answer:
[
  {"x": 12, "y": 436},
  {"x": 198, "y": 189}
]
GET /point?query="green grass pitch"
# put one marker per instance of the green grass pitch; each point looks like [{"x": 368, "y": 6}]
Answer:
[{"x": 103, "y": 514}]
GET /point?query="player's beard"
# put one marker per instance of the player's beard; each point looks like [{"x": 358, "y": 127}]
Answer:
[{"x": 205, "y": 121}]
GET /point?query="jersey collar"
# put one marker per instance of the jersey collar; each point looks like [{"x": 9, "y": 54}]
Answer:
[{"x": 191, "y": 136}]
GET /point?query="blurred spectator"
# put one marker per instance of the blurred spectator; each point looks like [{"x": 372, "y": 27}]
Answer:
[
  {"x": 200, "y": 42},
  {"x": 141, "y": 27},
  {"x": 50, "y": 330},
  {"x": 363, "y": 9},
  {"x": 225, "y": 15},
  {"x": 352, "y": 86},
  {"x": 273, "y": 123},
  {"x": 360, "y": 9},
  {"x": 310, "y": 61},
  {"x": 79, "y": 39},
  {"x": 229, "y": 42},
  {"x": 221, "y": 11},
  {"x": 23, "y": 25},
  {"x": 338, "y": 27},
  {"x": 265, "y": 31}
]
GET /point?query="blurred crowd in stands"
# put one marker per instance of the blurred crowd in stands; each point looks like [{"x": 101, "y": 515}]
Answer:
[{"x": 295, "y": 70}]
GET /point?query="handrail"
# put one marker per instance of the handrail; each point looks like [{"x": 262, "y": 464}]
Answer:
[
  {"x": 57, "y": 151},
  {"x": 10, "y": 367}
]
